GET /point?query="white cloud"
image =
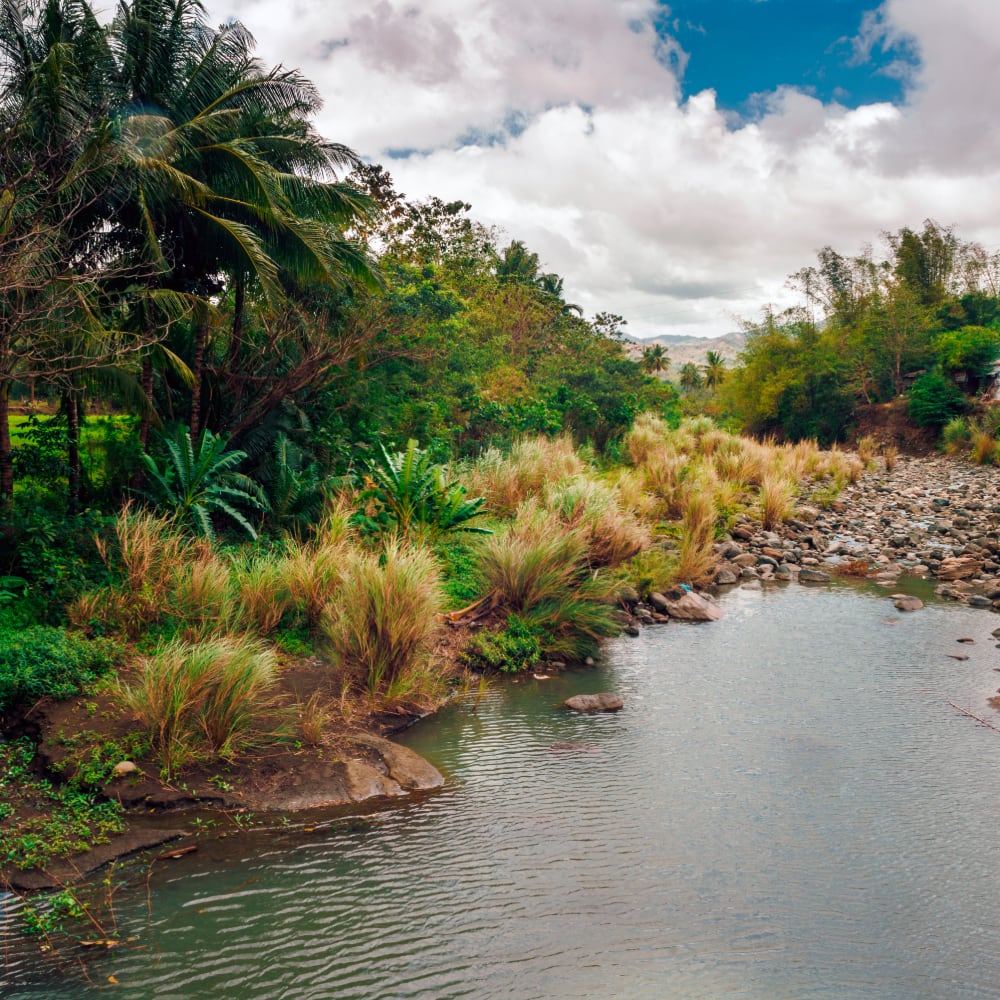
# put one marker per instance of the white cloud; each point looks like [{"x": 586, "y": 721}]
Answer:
[{"x": 666, "y": 212}]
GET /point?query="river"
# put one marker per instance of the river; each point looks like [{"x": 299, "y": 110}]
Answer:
[{"x": 787, "y": 807}]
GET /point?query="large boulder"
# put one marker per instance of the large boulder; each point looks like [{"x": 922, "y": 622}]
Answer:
[
  {"x": 405, "y": 766},
  {"x": 959, "y": 568},
  {"x": 603, "y": 702},
  {"x": 692, "y": 607}
]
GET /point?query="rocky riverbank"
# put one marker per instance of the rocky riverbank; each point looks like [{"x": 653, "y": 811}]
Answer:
[{"x": 934, "y": 518}]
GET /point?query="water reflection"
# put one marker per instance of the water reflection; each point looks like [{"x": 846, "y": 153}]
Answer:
[{"x": 786, "y": 807}]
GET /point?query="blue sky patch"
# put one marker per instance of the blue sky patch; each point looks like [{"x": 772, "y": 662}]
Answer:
[{"x": 744, "y": 47}]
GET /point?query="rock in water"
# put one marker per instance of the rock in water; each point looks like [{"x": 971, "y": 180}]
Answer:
[
  {"x": 693, "y": 607},
  {"x": 909, "y": 604},
  {"x": 594, "y": 702},
  {"x": 813, "y": 576}
]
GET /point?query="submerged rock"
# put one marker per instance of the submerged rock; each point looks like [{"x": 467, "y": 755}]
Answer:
[
  {"x": 908, "y": 604},
  {"x": 604, "y": 702},
  {"x": 813, "y": 576}
]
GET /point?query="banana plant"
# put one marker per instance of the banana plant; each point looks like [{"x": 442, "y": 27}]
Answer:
[
  {"x": 199, "y": 480},
  {"x": 410, "y": 493}
]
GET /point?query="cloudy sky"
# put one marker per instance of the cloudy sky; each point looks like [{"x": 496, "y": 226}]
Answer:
[{"x": 675, "y": 162}]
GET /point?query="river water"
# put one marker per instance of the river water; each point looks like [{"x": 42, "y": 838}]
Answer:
[{"x": 787, "y": 807}]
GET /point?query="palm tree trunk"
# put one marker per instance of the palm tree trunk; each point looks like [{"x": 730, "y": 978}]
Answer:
[
  {"x": 236, "y": 339},
  {"x": 200, "y": 336},
  {"x": 6, "y": 450},
  {"x": 145, "y": 421},
  {"x": 73, "y": 447}
]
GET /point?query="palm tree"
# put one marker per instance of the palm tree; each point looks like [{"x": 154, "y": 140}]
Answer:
[
  {"x": 691, "y": 376},
  {"x": 715, "y": 369},
  {"x": 655, "y": 359},
  {"x": 228, "y": 184}
]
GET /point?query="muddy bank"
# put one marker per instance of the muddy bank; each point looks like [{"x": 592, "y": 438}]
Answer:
[{"x": 352, "y": 767}]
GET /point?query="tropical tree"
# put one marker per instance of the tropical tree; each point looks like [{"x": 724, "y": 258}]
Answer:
[
  {"x": 714, "y": 369},
  {"x": 228, "y": 185},
  {"x": 691, "y": 376},
  {"x": 655, "y": 359}
]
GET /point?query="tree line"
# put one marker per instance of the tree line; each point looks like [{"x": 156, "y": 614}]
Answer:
[{"x": 921, "y": 318}]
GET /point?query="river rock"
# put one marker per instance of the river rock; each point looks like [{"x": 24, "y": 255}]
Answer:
[
  {"x": 813, "y": 576},
  {"x": 725, "y": 577},
  {"x": 959, "y": 568},
  {"x": 604, "y": 702},
  {"x": 692, "y": 607},
  {"x": 908, "y": 604},
  {"x": 406, "y": 767},
  {"x": 364, "y": 782},
  {"x": 658, "y": 601}
]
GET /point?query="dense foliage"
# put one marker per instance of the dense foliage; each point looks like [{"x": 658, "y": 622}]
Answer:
[{"x": 923, "y": 320}]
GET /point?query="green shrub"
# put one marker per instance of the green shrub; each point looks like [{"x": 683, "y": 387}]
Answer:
[
  {"x": 513, "y": 649},
  {"x": 956, "y": 437},
  {"x": 934, "y": 400},
  {"x": 43, "y": 661},
  {"x": 409, "y": 493}
]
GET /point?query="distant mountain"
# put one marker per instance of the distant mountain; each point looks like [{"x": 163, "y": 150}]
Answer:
[{"x": 684, "y": 349}]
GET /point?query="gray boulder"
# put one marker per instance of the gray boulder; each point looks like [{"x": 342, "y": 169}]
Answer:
[
  {"x": 692, "y": 607},
  {"x": 604, "y": 702}
]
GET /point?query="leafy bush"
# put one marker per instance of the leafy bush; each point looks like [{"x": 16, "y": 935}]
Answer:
[
  {"x": 934, "y": 400},
  {"x": 513, "y": 649},
  {"x": 197, "y": 482},
  {"x": 43, "y": 661}
]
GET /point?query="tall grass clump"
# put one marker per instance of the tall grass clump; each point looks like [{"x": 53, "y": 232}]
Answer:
[
  {"x": 776, "y": 500},
  {"x": 201, "y": 594},
  {"x": 198, "y": 698},
  {"x": 867, "y": 450},
  {"x": 507, "y": 481},
  {"x": 383, "y": 621},
  {"x": 310, "y": 574},
  {"x": 262, "y": 594},
  {"x": 890, "y": 455},
  {"x": 983, "y": 447},
  {"x": 647, "y": 437},
  {"x": 612, "y": 534},
  {"x": 540, "y": 570},
  {"x": 695, "y": 554},
  {"x": 956, "y": 436},
  {"x": 146, "y": 553}
]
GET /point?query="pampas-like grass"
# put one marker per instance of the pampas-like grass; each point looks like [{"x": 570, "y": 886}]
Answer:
[
  {"x": 197, "y": 697},
  {"x": 540, "y": 569},
  {"x": 776, "y": 500},
  {"x": 383, "y": 619},
  {"x": 613, "y": 535},
  {"x": 508, "y": 481}
]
